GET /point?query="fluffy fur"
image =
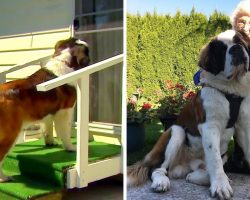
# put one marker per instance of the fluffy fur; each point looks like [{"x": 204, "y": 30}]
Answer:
[
  {"x": 21, "y": 103},
  {"x": 194, "y": 147},
  {"x": 240, "y": 18}
]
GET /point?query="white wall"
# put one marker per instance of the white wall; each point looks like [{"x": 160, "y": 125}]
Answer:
[
  {"x": 25, "y": 16},
  {"x": 30, "y": 29}
]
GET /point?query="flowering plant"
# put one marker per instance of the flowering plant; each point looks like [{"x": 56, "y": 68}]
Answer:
[
  {"x": 176, "y": 96},
  {"x": 138, "y": 108}
]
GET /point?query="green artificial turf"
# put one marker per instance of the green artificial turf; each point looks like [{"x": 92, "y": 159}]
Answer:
[
  {"x": 44, "y": 167},
  {"x": 22, "y": 187}
]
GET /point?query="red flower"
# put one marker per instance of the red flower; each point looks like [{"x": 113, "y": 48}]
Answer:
[
  {"x": 146, "y": 106},
  {"x": 191, "y": 95},
  {"x": 188, "y": 95},
  {"x": 169, "y": 84},
  {"x": 179, "y": 86}
]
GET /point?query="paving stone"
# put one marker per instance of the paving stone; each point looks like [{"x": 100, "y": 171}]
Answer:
[{"x": 180, "y": 189}]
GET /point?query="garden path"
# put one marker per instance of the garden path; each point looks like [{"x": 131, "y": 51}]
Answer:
[{"x": 180, "y": 190}]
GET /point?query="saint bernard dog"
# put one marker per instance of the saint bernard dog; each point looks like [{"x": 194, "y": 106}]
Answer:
[
  {"x": 195, "y": 146},
  {"x": 21, "y": 104}
]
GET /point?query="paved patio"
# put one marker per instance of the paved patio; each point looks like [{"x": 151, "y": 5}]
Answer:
[{"x": 180, "y": 190}]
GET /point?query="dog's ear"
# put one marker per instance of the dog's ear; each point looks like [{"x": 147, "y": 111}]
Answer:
[
  {"x": 207, "y": 59},
  {"x": 212, "y": 57},
  {"x": 64, "y": 44},
  {"x": 243, "y": 39},
  {"x": 202, "y": 63}
]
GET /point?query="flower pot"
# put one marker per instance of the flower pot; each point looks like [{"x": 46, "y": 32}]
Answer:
[
  {"x": 168, "y": 120},
  {"x": 135, "y": 136}
]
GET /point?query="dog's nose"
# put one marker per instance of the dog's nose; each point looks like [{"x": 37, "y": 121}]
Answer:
[{"x": 238, "y": 55}]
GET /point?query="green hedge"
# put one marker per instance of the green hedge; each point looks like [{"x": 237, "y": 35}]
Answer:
[{"x": 164, "y": 47}]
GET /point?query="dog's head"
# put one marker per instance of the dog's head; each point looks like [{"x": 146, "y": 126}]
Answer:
[
  {"x": 79, "y": 51},
  {"x": 226, "y": 55}
]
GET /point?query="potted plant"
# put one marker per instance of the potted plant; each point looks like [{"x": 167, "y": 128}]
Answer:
[
  {"x": 138, "y": 112},
  {"x": 176, "y": 96}
]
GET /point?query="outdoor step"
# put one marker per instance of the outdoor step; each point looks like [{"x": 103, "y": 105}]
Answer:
[
  {"x": 24, "y": 188},
  {"x": 39, "y": 170}
]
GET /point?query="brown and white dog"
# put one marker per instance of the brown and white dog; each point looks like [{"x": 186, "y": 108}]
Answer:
[
  {"x": 194, "y": 147},
  {"x": 21, "y": 103}
]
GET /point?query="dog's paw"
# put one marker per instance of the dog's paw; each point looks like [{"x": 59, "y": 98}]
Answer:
[
  {"x": 70, "y": 147},
  {"x": 50, "y": 141},
  {"x": 160, "y": 180},
  {"x": 51, "y": 144},
  {"x": 198, "y": 177},
  {"x": 221, "y": 187},
  {"x": 161, "y": 184}
]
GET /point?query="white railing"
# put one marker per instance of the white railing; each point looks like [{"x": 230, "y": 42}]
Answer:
[
  {"x": 83, "y": 173},
  {"x": 4, "y": 71}
]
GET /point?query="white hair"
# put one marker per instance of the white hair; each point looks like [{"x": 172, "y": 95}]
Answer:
[
  {"x": 242, "y": 9},
  {"x": 81, "y": 42}
]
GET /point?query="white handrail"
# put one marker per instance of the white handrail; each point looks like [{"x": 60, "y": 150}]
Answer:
[
  {"x": 71, "y": 77},
  {"x": 26, "y": 64},
  {"x": 78, "y": 177}
]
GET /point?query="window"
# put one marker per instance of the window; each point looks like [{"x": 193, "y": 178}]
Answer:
[{"x": 100, "y": 23}]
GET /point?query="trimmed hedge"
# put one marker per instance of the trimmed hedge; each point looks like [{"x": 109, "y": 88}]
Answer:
[{"x": 164, "y": 47}]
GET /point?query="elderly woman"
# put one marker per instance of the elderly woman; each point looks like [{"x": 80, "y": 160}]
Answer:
[
  {"x": 240, "y": 18},
  {"x": 240, "y": 21}
]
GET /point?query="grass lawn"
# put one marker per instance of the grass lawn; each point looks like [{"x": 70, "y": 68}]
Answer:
[{"x": 153, "y": 131}]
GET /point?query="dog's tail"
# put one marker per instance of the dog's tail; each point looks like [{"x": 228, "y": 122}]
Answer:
[{"x": 139, "y": 172}]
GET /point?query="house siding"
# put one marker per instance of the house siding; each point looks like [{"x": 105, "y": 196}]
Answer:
[{"x": 30, "y": 30}]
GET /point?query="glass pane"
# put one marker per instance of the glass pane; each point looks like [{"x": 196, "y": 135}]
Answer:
[
  {"x": 105, "y": 86},
  {"x": 103, "y": 45},
  {"x": 88, "y": 6},
  {"x": 106, "y": 95},
  {"x": 100, "y": 21}
]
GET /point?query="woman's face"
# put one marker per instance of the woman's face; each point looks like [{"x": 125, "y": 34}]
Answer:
[{"x": 243, "y": 24}]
